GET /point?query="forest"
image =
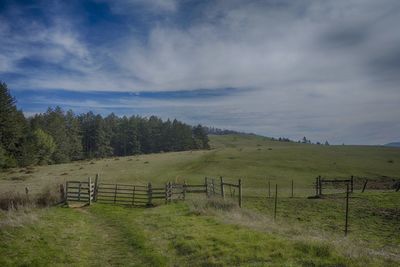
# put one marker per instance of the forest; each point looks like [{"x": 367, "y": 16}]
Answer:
[{"x": 59, "y": 136}]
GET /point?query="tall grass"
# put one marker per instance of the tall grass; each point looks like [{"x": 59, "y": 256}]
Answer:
[{"x": 49, "y": 195}]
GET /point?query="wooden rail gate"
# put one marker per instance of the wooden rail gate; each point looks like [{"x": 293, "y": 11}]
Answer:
[
  {"x": 125, "y": 194},
  {"x": 80, "y": 191}
]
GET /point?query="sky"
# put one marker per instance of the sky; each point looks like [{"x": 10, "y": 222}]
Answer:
[{"x": 327, "y": 70}]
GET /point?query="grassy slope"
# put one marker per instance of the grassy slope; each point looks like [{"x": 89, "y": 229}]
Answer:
[
  {"x": 254, "y": 159},
  {"x": 146, "y": 237}
]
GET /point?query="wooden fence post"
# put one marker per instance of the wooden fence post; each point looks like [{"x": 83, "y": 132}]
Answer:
[
  {"x": 316, "y": 186},
  {"x": 79, "y": 191},
  {"x": 150, "y": 194},
  {"x": 90, "y": 190},
  {"x": 347, "y": 211},
  {"x": 364, "y": 186},
  {"x": 292, "y": 188},
  {"x": 351, "y": 183},
  {"x": 320, "y": 185},
  {"x": 169, "y": 192},
  {"x": 222, "y": 187},
  {"x": 62, "y": 192},
  {"x": 27, "y": 193},
  {"x": 96, "y": 184},
  {"x": 240, "y": 193},
  {"x": 276, "y": 200},
  {"x": 213, "y": 186},
  {"x": 166, "y": 193},
  {"x": 184, "y": 190},
  {"x": 133, "y": 195},
  {"x": 115, "y": 193},
  {"x": 206, "y": 184},
  {"x": 66, "y": 192}
]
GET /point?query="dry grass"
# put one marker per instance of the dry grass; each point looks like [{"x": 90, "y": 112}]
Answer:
[
  {"x": 49, "y": 195},
  {"x": 18, "y": 217}
]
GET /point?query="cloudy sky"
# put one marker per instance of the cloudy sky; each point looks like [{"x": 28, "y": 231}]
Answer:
[{"x": 328, "y": 70}]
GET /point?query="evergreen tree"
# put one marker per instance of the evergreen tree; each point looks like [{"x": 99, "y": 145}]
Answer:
[
  {"x": 200, "y": 137},
  {"x": 44, "y": 146},
  {"x": 12, "y": 127},
  {"x": 74, "y": 136}
]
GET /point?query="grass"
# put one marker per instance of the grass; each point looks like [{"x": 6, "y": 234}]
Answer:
[
  {"x": 170, "y": 235},
  {"x": 308, "y": 232},
  {"x": 373, "y": 217}
]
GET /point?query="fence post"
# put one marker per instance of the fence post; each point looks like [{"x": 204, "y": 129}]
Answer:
[
  {"x": 79, "y": 191},
  {"x": 115, "y": 193},
  {"x": 240, "y": 193},
  {"x": 184, "y": 190},
  {"x": 150, "y": 194},
  {"x": 292, "y": 188},
  {"x": 364, "y": 186},
  {"x": 276, "y": 200},
  {"x": 213, "y": 186},
  {"x": 62, "y": 192},
  {"x": 169, "y": 192},
  {"x": 27, "y": 192},
  {"x": 206, "y": 183},
  {"x": 351, "y": 183},
  {"x": 90, "y": 190},
  {"x": 96, "y": 184},
  {"x": 166, "y": 193},
  {"x": 320, "y": 185},
  {"x": 133, "y": 195},
  {"x": 222, "y": 187},
  {"x": 66, "y": 192},
  {"x": 316, "y": 186},
  {"x": 347, "y": 211}
]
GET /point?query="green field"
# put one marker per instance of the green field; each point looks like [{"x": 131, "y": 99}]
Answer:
[{"x": 201, "y": 232}]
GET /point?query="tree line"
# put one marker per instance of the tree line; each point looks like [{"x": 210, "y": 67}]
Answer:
[{"x": 59, "y": 136}]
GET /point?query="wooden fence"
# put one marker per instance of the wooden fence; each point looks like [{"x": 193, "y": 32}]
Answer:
[
  {"x": 147, "y": 195},
  {"x": 80, "y": 191}
]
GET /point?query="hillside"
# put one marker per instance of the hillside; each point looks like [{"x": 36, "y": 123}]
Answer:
[
  {"x": 393, "y": 144},
  {"x": 200, "y": 232}
]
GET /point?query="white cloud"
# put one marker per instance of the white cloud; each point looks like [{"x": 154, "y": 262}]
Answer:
[{"x": 322, "y": 69}]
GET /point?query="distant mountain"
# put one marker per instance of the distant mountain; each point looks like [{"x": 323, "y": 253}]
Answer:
[
  {"x": 217, "y": 131},
  {"x": 393, "y": 144}
]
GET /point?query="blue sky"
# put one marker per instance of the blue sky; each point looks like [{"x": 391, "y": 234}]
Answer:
[{"x": 328, "y": 70}]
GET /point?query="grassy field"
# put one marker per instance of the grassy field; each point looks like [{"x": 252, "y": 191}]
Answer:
[
  {"x": 200, "y": 232},
  {"x": 254, "y": 159}
]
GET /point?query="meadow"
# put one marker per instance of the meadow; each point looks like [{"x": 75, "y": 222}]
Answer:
[{"x": 211, "y": 232}]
